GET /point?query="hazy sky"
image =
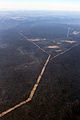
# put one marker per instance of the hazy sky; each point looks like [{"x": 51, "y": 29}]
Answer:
[{"x": 70, "y": 5}]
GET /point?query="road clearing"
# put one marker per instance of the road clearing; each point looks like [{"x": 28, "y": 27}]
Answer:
[
  {"x": 38, "y": 79},
  {"x": 34, "y": 43},
  {"x": 64, "y": 51},
  {"x": 32, "y": 91}
]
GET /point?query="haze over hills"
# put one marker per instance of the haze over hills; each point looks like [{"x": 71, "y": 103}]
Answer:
[
  {"x": 39, "y": 63},
  {"x": 12, "y": 19}
]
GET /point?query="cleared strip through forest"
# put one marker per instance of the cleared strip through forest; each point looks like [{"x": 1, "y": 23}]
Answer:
[
  {"x": 64, "y": 51},
  {"x": 32, "y": 91},
  {"x": 34, "y": 43},
  {"x": 37, "y": 82}
]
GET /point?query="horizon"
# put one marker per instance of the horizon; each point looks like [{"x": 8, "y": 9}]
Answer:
[{"x": 35, "y": 5}]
